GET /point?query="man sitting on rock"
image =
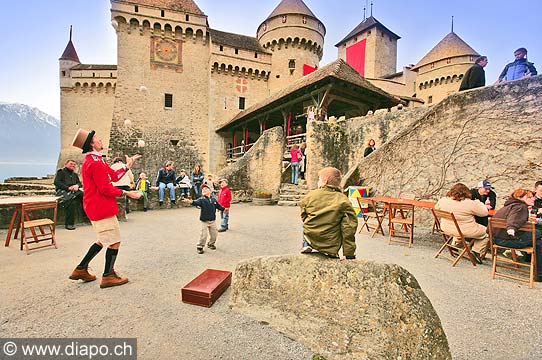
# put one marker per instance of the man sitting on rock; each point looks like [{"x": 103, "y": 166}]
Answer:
[{"x": 329, "y": 220}]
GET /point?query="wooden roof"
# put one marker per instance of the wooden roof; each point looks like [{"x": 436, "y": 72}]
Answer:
[
  {"x": 291, "y": 7},
  {"x": 236, "y": 40},
  {"x": 187, "y": 6},
  {"x": 364, "y": 26}
]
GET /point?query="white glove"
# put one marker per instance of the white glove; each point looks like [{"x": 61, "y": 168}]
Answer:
[{"x": 511, "y": 232}]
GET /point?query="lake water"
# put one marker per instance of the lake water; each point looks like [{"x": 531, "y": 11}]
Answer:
[{"x": 8, "y": 169}]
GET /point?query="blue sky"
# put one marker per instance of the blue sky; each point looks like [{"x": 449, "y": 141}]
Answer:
[{"x": 36, "y": 33}]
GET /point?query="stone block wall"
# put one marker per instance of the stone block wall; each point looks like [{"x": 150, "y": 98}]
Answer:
[
  {"x": 260, "y": 168},
  {"x": 341, "y": 144},
  {"x": 492, "y": 132}
]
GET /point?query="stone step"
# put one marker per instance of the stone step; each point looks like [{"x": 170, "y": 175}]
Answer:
[
  {"x": 293, "y": 191},
  {"x": 288, "y": 203},
  {"x": 291, "y": 197},
  {"x": 25, "y": 186},
  {"x": 27, "y": 192},
  {"x": 299, "y": 187}
]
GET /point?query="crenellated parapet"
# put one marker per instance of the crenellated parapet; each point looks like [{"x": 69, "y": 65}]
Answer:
[
  {"x": 244, "y": 72},
  {"x": 152, "y": 21},
  {"x": 296, "y": 43}
]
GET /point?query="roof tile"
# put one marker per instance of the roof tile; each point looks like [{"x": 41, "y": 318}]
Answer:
[{"x": 451, "y": 46}]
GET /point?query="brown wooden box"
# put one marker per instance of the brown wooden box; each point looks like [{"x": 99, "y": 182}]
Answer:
[{"x": 206, "y": 288}]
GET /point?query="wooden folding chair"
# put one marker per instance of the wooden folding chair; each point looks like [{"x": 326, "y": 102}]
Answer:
[
  {"x": 41, "y": 229},
  {"x": 512, "y": 264},
  {"x": 459, "y": 249},
  {"x": 372, "y": 212},
  {"x": 403, "y": 215}
]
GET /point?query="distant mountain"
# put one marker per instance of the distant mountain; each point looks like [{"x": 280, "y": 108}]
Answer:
[{"x": 28, "y": 134}]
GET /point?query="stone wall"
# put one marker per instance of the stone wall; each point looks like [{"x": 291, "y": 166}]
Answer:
[
  {"x": 492, "y": 132},
  {"x": 341, "y": 309},
  {"x": 260, "y": 168},
  {"x": 341, "y": 143}
]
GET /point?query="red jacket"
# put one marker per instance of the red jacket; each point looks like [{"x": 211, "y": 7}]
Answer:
[
  {"x": 224, "y": 197},
  {"x": 99, "y": 200}
]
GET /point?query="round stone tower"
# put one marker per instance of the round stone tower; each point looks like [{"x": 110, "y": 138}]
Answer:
[{"x": 295, "y": 37}]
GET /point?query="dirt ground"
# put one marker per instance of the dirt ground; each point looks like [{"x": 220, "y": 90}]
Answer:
[{"x": 482, "y": 318}]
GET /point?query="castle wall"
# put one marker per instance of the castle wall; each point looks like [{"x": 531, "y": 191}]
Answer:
[
  {"x": 84, "y": 106},
  {"x": 181, "y": 132},
  {"x": 437, "y": 80}
]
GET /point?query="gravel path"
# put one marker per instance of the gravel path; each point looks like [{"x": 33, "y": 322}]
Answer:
[{"x": 483, "y": 319}]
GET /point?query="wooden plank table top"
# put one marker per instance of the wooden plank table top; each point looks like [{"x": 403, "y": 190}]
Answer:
[{"x": 427, "y": 204}]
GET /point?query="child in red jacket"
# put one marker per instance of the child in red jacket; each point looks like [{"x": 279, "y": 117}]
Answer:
[{"x": 224, "y": 199}]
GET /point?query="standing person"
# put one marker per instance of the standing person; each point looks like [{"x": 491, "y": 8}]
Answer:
[
  {"x": 459, "y": 202},
  {"x": 197, "y": 180},
  {"x": 519, "y": 68},
  {"x": 184, "y": 183},
  {"x": 100, "y": 204},
  {"x": 126, "y": 182},
  {"x": 475, "y": 76},
  {"x": 210, "y": 184},
  {"x": 484, "y": 194},
  {"x": 166, "y": 178},
  {"x": 67, "y": 185},
  {"x": 207, "y": 217},
  {"x": 143, "y": 185},
  {"x": 370, "y": 148},
  {"x": 224, "y": 199},
  {"x": 329, "y": 220},
  {"x": 303, "y": 163},
  {"x": 296, "y": 155},
  {"x": 516, "y": 213}
]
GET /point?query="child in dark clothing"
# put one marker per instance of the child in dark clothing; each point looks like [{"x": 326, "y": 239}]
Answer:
[{"x": 207, "y": 217}]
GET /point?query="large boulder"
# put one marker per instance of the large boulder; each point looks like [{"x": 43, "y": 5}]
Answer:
[{"x": 341, "y": 309}]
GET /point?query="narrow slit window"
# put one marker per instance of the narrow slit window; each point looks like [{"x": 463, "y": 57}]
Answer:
[
  {"x": 162, "y": 13},
  {"x": 242, "y": 103},
  {"x": 168, "y": 100}
]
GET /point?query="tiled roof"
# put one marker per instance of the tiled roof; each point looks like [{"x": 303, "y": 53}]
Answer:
[
  {"x": 451, "y": 46},
  {"x": 70, "y": 53},
  {"x": 338, "y": 69},
  {"x": 365, "y": 25},
  {"x": 94, "y": 67},
  {"x": 236, "y": 40},
  {"x": 187, "y": 6},
  {"x": 291, "y": 7}
]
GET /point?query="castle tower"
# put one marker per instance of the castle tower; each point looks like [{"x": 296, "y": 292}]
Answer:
[
  {"x": 162, "y": 98},
  {"x": 68, "y": 60},
  {"x": 86, "y": 100},
  {"x": 371, "y": 49},
  {"x": 440, "y": 71},
  {"x": 295, "y": 37}
]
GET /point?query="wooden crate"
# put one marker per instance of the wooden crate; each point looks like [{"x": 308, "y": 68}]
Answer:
[{"x": 206, "y": 288}]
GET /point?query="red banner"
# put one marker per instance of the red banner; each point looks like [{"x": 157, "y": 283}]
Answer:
[
  {"x": 307, "y": 69},
  {"x": 355, "y": 56}
]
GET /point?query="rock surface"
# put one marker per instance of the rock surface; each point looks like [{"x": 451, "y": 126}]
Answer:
[{"x": 349, "y": 310}]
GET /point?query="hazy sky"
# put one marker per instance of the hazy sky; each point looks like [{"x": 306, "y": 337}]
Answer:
[{"x": 36, "y": 33}]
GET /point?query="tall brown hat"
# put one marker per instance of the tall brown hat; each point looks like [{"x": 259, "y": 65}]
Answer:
[{"x": 82, "y": 140}]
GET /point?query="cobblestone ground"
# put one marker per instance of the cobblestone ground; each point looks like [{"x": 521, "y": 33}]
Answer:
[{"x": 482, "y": 318}]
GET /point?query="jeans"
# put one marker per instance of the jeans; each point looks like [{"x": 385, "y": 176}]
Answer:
[
  {"x": 162, "y": 188},
  {"x": 295, "y": 172},
  {"x": 525, "y": 240},
  {"x": 225, "y": 217},
  {"x": 197, "y": 190}
]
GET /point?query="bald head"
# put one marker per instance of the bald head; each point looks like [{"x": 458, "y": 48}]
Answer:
[{"x": 329, "y": 176}]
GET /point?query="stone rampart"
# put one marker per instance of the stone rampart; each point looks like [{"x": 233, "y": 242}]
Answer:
[{"x": 341, "y": 309}]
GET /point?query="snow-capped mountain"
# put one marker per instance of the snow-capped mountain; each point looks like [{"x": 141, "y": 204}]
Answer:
[{"x": 28, "y": 134}]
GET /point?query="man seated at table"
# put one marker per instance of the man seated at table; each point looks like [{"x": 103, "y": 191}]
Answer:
[
  {"x": 538, "y": 198},
  {"x": 329, "y": 220},
  {"x": 487, "y": 196},
  {"x": 67, "y": 186}
]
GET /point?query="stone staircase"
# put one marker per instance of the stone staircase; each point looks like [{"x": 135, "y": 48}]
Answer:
[{"x": 291, "y": 195}]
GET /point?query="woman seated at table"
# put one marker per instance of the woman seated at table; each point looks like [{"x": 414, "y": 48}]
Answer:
[
  {"x": 458, "y": 201},
  {"x": 516, "y": 213}
]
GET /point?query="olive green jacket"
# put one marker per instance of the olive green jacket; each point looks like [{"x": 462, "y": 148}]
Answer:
[{"x": 329, "y": 221}]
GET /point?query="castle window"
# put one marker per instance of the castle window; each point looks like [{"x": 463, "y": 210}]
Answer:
[
  {"x": 430, "y": 99},
  {"x": 93, "y": 74},
  {"x": 187, "y": 17},
  {"x": 136, "y": 8},
  {"x": 255, "y": 55},
  {"x": 174, "y": 142},
  {"x": 432, "y": 65},
  {"x": 162, "y": 13},
  {"x": 356, "y": 39},
  {"x": 221, "y": 48},
  {"x": 168, "y": 100},
  {"x": 236, "y": 51},
  {"x": 63, "y": 73},
  {"x": 110, "y": 74},
  {"x": 448, "y": 61},
  {"x": 284, "y": 18},
  {"x": 291, "y": 64},
  {"x": 241, "y": 103},
  {"x": 368, "y": 32}
]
